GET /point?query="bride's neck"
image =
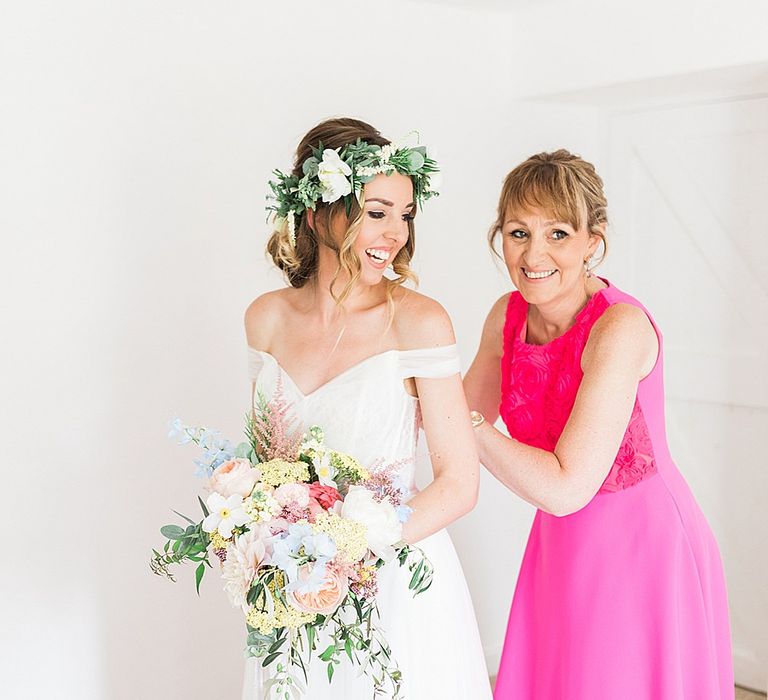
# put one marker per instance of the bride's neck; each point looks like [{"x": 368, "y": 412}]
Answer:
[{"x": 323, "y": 303}]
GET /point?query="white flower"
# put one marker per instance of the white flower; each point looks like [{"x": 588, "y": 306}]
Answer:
[
  {"x": 410, "y": 140},
  {"x": 291, "y": 219},
  {"x": 383, "y": 527},
  {"x": 262, "y": 505},
  {"x": 326, "y": 472},
  {"x": 387, "y": 152},
  {"x": 332, "y": 173},
  {"x": 225, "y": 514},
  {"x": 243, "y": 559}
]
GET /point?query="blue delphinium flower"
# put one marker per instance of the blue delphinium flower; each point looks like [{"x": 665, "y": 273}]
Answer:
[
  {"x": 403, "y": 513},
  {"x": 220, "y": 451},
  {"x": 285, "y": 554},
  {"x": 178, "y": 431}
]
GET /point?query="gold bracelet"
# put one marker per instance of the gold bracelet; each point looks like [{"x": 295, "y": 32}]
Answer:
[{"x": 477, "y": 418}]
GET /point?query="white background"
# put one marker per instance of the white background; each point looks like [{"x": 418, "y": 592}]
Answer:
[{"x": 136, "y": 139}]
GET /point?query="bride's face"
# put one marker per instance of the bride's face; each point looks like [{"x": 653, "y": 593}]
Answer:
[{"x": 388, "y": 207}]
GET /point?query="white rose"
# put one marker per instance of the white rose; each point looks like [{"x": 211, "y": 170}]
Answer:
[
  {"x": 332, "y": 173},
  {"x": 383, "y": 527}
]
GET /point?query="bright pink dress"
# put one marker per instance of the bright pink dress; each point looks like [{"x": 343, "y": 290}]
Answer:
[{"x": 624, "y": 599}]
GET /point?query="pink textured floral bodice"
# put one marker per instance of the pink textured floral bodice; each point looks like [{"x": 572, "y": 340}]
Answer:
[{"x": 539, "y": 385}]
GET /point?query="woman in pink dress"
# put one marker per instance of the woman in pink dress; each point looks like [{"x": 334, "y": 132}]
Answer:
[{"x": 621, "y": 594}]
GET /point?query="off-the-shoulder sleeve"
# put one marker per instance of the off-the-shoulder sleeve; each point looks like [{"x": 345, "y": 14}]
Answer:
[
  {"x": 255, "y": 364},
  {"x": 430, "y": 363}
]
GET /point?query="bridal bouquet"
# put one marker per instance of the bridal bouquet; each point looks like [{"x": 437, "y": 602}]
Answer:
[{"x": 300, "y": 531}]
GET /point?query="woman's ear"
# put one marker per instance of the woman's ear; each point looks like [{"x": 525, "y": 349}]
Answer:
[
  {"x": 310, "y": 214},
  {"x": 595, "y": 237}
]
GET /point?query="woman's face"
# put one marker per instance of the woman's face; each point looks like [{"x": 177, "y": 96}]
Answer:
[
  {"x": 545, "y": 258},
  {"x": 388, "y": 207}
]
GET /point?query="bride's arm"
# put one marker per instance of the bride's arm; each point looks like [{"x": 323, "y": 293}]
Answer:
[{"x": 448, "y": 430}]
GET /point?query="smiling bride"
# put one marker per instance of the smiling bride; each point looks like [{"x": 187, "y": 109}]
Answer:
[{"x": 372, "y": 362}]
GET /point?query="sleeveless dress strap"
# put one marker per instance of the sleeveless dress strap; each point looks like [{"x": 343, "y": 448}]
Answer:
[
  {"x": 429, "y": 363},
  {"x": 516, "y": 308}
]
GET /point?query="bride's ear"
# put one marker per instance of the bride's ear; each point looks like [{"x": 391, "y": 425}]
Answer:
[{"x": 310, "y": 213}]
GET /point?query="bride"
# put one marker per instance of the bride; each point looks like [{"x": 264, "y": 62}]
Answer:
[{"x": 371, "y": 361}]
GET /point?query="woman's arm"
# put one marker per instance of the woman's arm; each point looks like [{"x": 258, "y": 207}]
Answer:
[
  {"x": 622, "y": 348},
  {"x": 448, "y": 430},
  {"x": 482, "y": 383}
]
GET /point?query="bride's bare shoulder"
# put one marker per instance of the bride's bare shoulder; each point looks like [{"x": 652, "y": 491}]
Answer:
[
  {"x": 263, "y": 315},
  {"x": 420, "y": 321}
]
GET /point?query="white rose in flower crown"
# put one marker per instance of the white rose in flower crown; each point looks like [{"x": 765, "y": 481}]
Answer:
[
  {"x": 332, "y": 173},
  {"x": 383, "y": 527}
]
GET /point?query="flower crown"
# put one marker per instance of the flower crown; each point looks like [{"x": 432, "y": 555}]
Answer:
[{"x": 331, "y": 174}]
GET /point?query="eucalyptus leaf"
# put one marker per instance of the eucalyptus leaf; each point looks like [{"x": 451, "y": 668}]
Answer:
[{"x": 172, "y": 532}]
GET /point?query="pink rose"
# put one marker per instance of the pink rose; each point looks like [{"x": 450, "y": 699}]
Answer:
[
  {"x": 292, "y": 494},
  {"x": 237, "y": 476},
  {"x": 325, "y": 601},
  {"x": 326, "y": 496}
]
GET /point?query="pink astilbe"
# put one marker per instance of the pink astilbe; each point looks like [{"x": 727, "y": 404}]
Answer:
[
  {"x": 271, "y": 428},
  {"x": 363, "y": 580},
  {"x": 292, "y": 513},
  {"x": 386, "y": 482}
]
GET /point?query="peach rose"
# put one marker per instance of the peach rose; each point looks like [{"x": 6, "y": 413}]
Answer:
[
  {"x": 237, "y": 476},
  {"x": 325, "y": 601}
]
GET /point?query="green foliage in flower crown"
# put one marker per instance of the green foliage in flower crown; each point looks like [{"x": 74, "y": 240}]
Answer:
[{"x": 292, "y": 196}]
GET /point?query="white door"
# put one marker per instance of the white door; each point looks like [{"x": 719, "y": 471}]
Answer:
[{"x": 688, "y": 189}]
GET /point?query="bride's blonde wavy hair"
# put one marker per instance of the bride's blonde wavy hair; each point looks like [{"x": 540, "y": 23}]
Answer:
[{"x": 299, "y": 261}]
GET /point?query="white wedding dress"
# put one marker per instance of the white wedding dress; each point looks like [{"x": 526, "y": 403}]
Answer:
[{"x": 366, "y": 412}]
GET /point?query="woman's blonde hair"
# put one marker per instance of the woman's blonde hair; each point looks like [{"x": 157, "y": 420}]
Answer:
[
  {"x": 560, "y": 183},
  {"x": 299, "y": 261}
]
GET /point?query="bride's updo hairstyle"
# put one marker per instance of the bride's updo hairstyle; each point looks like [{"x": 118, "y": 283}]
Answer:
[
  {"x": 299, "y": 262},
  {"x": 560, "y": 183}
]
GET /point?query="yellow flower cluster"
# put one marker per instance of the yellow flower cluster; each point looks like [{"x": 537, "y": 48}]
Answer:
[
  {"x": 349, "y": 467},
  {"x": 349, "y": 536},
  {"x": 366, "y": 573},
  {"x": 283, "y": 616},
  {"x": 217, "y": 541},
  {"x": 278, "y": 471}
]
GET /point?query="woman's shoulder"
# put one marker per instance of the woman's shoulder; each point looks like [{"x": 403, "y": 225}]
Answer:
[
  {"x": 623, "y": 330},
  {"x": 263, "y": 315},
  {"x": 420, "y": 321}
]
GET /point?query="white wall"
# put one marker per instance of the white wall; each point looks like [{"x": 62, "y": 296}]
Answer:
[{"x": 135, "y": 142}]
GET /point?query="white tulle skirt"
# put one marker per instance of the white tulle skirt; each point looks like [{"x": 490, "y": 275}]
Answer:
[{"x": 433, "y": 637}]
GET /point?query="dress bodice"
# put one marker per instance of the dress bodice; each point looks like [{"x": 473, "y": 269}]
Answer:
[
  {"x": 540, "y": 382},
  {"x": 365, "y": 411}
]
